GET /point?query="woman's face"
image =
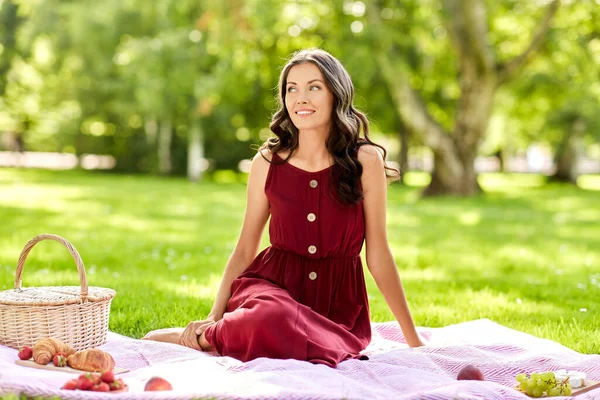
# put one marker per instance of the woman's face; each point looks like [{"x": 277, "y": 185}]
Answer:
[{"x": 308, "y": 100}]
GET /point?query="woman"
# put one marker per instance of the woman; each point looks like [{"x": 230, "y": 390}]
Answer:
[{"x": 324, "y": 186}]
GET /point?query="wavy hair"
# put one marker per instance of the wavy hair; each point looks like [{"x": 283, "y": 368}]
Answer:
[{"x": 344, "y": 138}]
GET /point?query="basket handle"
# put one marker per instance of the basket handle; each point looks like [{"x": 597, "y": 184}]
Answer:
[{"x": 72, "y": 250}]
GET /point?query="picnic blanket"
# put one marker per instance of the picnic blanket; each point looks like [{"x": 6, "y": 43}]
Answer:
[{"x": 393, "y": 370}]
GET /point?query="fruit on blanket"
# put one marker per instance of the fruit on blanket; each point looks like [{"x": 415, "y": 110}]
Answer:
[
  {"x": 94, "y": 382},
  {"x": 101, "y": 387},
  {"x": 60, "y": 360},
  {"x": 108, "y": 376},
  {"x": 117, "y": 384},
  {"x": 548, "y": 383},
  {"x": 470, "y": 373},
  {"x": 45, "y": 349},
  {"x": 86, "y": 381},
  {"x": 156, "y": 383},
  {"x": 70, "y": 385},
  {"x": 25, "y": 353}
]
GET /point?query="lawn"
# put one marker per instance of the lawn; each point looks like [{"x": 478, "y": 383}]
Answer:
[{"x": 525, "y": 254}]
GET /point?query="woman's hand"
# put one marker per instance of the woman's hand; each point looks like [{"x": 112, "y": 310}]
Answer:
[{"x": 192, "y": 332}]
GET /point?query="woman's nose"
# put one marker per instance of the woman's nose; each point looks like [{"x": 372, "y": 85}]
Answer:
[{"x": 302, "y": 98}]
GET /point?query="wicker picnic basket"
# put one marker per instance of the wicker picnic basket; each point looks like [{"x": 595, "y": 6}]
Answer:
[{"x": 76, "y": 315}]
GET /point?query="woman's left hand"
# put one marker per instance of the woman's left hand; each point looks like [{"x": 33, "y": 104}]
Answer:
[{"x": 189, "y": 337}]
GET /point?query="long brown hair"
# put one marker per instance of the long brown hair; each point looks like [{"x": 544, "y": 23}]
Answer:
[{"x": 347, "y": 122}]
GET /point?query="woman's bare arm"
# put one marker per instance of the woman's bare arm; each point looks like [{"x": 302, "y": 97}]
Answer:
[
  {"x": 380, "y": 260},
  {"x": 255, "y": 219}
]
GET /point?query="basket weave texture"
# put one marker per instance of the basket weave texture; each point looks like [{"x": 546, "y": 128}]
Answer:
[{"x": 76, "y": 315}]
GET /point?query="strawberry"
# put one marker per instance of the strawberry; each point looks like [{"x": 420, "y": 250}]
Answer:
[
  {"x": 101, "y": 387},
  {"x": 118, "y": 384},
  {"x": 25, "y": 353},
  {"x": 86, "y": 381},
  {"x": 108, "y": 376},
  {"x": 70, "y": 385},
  {"x": 60, "y": 359}
]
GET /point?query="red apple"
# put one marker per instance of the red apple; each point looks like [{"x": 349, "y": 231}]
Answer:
[
  {"x": 470, "y": 373},
  {"x": 155, "y": 384}
]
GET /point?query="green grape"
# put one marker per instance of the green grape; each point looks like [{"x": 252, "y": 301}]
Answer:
[
  {"x": 521, "y": 378},
  {"x": 535, "y": 376},
  {"x": 546, "y": 376},
  {"x": 567, "y": 390},
  {"x": 554, "y": 392},
  {"x": 541, "y": 385},
  {"x": 537, "y": 392},
  {"x": 529, "y": 391},
  {"x": 523, "y": 386}
]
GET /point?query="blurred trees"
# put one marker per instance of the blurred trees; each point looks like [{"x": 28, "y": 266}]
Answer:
[{"x": 163, "y": 85}]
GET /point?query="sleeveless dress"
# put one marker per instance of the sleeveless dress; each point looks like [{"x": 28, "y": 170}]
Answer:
[{"x": 304, "y": 296}]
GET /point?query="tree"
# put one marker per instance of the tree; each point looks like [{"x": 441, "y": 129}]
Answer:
[
  {"x": 556, "y": 100},
  {"x": 480, "y": 73}
]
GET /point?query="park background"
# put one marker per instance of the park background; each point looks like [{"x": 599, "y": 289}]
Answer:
[{"x": 126, "y": 127}]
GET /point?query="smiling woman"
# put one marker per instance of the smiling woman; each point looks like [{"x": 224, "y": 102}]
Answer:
[
  {"x": 324, "y": 187},
  {"x": 308, "y": 101}
]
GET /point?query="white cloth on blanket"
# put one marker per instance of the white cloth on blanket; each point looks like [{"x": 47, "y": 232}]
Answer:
[{"x": 393, "y": 371}]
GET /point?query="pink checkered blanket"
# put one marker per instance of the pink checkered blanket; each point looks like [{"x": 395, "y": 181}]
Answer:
[{"x": 393, "y": 371}]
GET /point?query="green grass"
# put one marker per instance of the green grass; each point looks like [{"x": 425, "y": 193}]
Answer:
[{"x": 525, "y": 254}]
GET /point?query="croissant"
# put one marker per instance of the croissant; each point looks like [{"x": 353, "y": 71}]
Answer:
[
  {"x": 92, "y": 360},
  {"x": 45, "y": 349}
]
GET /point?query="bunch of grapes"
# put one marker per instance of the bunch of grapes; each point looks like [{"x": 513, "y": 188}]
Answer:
[{"x": 539, "y": 384}]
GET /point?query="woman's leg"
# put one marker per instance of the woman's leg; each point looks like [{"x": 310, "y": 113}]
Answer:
[
  {"x": 173, "y": 335},
  {"x": 167, "y": 335}
]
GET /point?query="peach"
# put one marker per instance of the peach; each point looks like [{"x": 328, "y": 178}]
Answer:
[
  {"x": 156, "y": 383},
  {"x": 470, "y": 373}
]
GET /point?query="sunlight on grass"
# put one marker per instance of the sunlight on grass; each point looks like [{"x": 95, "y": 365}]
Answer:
[
  {"x": 469, "y": 218},
  {"x": 589, "y": 182},
  {"x": 418, "y": 179},
  {"x": 510, "y": 182},
  {"x": 207, "y": 290}
]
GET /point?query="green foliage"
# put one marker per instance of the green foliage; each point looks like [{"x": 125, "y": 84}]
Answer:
[
  {"x": 559, "y": 87},
  {"x": 95, "y": 77}
]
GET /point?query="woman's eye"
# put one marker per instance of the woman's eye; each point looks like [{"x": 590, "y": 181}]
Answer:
[
  {"x": 314, "y": 87},
  {"x": 290, "y": 89}
]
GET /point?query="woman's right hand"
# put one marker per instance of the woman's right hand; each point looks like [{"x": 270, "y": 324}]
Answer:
[{"x": 192, "y": 332}]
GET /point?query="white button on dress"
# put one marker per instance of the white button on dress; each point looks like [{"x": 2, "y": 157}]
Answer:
[
  {"x": 311, "y": 217},
  {"x": 313, "y": 184},
  {"x": 312, "y": 249},
  {"x": 312, "y": 276}
]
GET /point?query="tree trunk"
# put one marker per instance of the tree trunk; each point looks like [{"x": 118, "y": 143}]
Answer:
[
  {"x": 403, "y": 156},
  {"x": 453, "y": 174},
  {"x": 164, "y": 147},
  {"x": 499, "y": 154},
  {"x": 568, "y": 154},
  {"x": 195, "y": 152},
  {"x": 479, "y": 76},
  {"x": 151, "y": 129}
]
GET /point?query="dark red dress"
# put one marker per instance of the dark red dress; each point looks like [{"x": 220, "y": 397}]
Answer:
[{"x": 303, "y": 297}]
